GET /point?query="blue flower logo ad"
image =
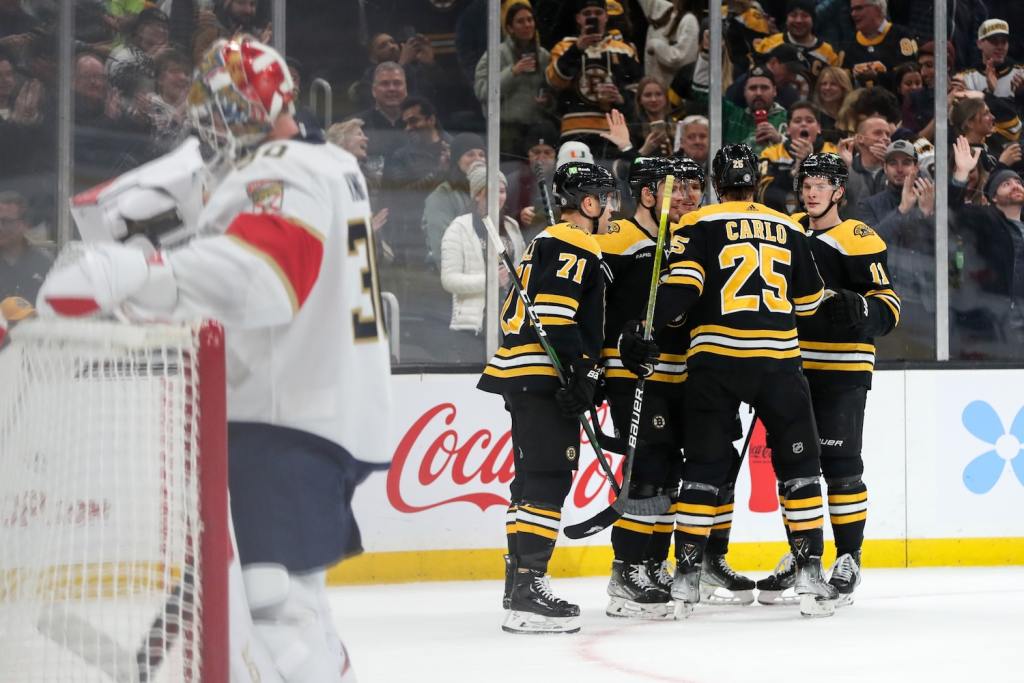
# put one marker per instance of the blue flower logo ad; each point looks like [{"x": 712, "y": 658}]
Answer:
[{"x": 984, "y": 471}]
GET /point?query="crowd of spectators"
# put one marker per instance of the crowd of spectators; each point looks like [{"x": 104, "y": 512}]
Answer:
[{"x": 607, "y": 80}]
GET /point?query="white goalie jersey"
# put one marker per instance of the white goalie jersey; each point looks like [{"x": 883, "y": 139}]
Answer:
[{"x": 285, "y": 260}]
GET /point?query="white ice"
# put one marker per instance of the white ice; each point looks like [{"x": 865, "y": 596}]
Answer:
[{"x": 934, "y": 625}]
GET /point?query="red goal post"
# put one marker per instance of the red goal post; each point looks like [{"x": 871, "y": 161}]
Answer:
[{"x": 114, "y": 539}]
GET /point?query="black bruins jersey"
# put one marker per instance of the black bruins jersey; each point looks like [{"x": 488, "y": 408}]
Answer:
[
  {"x": 818, "y": 56},
  {"x": 891, "y": 47},
  {"x": 743, "y": 276},
  {"x": 628, "y": 253},
  {"x": 563, "y": 275},
  {"x": 849, "y": 256}
]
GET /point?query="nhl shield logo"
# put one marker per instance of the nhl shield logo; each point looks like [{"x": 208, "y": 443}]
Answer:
[
  {"x": 570, "y": 453},
  {"x": 266, "y": 195},
  {"x": 798, "y": 447}
]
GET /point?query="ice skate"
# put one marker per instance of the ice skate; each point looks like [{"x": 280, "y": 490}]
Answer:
[
  {"x": 533, "y": 608},
  {"x": 777, "y": 588},
  {"x": 686, "y": 582},
  {"x": 632, "y": 593},
  {"x": 845, "y": 577},
  {"x": 660, "y": 573},
  {"x": 817, "y": 597},
  {"x": 721, "y": 585}
]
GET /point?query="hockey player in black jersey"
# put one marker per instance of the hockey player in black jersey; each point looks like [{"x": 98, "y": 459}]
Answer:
[
  {"x": 628, "y": 252},
  {"x": 561, "y": 272},
  {"x": 744, "y": 276},
  {"x": 838, "y": 350}
]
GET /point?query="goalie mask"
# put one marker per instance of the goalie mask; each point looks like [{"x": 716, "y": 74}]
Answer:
[{"x": 239, "y": 89}]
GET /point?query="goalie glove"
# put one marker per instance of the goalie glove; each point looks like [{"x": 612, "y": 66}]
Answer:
[
  {"x": 846, "y": 309},
  {"x": 577, "y": 396},
  {"x": 638, "y": 355},
  {"x": 103, "y": 277}
]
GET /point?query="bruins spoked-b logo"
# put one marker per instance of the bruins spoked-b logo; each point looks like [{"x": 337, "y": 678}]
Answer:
[
  {"x": 570, "y": 453},
  {"x": 658, "y": 421}
]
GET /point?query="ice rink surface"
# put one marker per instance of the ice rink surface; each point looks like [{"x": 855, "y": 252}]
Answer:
[{"x": 933, "y": 625}]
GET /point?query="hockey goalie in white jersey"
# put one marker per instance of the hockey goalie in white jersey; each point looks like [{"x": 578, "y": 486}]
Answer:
[{"x": 283, "y": 257}]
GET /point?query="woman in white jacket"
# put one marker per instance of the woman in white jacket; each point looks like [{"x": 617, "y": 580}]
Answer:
[
  {"x": 464, "y": 270},
  {"x": 673, "y": 38}
]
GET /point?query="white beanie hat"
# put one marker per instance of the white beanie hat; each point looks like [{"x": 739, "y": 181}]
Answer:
[{"x": 477, "y": 177}]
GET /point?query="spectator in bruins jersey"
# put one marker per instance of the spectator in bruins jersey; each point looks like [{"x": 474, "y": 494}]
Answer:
[
  {"x": 639, "y": 585},
  {"x": 800, "y": 34},
  {"x": 995, "y": 74},
  {"x": 837, "y": 346},
  {"x": 561, "y": 271},
  {"x": 760, "y": 123},
  {"x": 878, "y": 46},
  {"x": 592, "y": 73},
  {"x": 743, "y": 275},
  {"x": 780, "y": 162},
  {"x": 746, "y": 22}
]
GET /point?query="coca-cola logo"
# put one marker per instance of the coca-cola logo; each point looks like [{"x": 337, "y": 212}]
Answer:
[{"x": 433, "y": 457}]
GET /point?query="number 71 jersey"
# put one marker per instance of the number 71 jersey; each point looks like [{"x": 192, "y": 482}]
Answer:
[
  {"x": 744, "y": 273},
  {"x": 285, "y": 259}
]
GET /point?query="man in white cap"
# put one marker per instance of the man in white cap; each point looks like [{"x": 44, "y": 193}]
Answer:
[
  {"x": 573, "y": 151},
  {"x": 995, "y": 74}
]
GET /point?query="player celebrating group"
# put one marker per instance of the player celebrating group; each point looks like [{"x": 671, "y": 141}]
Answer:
[
  {"x": 283, "y": 257},
  {"x": 838, "y": 352}
]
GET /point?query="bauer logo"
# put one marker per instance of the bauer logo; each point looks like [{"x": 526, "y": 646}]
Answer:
[{"x": 1000, "y": 448}]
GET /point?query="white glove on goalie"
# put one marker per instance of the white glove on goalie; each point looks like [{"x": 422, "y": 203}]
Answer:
[{"x": 100, "y": 278}]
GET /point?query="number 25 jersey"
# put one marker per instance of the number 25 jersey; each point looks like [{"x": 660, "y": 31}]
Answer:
[{"x": 743, "y": 273}]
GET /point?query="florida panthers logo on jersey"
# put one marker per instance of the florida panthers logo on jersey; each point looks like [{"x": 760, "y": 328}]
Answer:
[{"x": 267, "y": 195}]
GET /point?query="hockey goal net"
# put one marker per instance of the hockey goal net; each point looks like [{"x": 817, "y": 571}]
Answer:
[{"x": 114, "y": 543}]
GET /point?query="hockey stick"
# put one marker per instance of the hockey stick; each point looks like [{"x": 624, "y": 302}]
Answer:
[
  {"x": 616, "y": 444},
  {"x": 658, "y": 504},
  {"x": 548, "y": 349}
]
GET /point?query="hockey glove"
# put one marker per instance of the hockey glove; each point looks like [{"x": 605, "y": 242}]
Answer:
[
  {"x": 577, "y": 396},
  {"x": 638, "y": 355},
  {"x": 846, "y": 309}
]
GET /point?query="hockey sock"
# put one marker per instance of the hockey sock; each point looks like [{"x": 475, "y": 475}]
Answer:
[
  {"x": 536, "y": 533},
  {"x": 661, "y": 539},
  {"x": 721, "y": 528},
  {"x": 782, "y": 511},
  {"x": 804, "y": 516},
  {"x": 510, "y": 527},
  {"x": 631, "y": 535},
  {"x": 848, "y": 512},
  {"x": 695, "y": 514}
]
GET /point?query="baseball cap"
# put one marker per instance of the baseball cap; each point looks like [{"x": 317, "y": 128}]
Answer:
[
  {"x": 998, "y": 178},
  {"x": 573, "y": 151},
  {"x": 901, "y": 147},
  {"x": 584, "y": 4},
  {"x": 808, "y": 6},
  {"x": 761, "y": 72},
  {"x": 993, "y": 27}
]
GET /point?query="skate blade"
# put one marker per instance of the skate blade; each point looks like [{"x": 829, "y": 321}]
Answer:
[
  {"x": 620, "y": 608},
  {"x": 844, "y": 600},
  {"x": 815, "y": 606},
  {"x": 682, "y": 610},
  {"x": 536, "y": 624},
  {"x": 777, "y": 598},
  {"x": 718, "y": 595}
]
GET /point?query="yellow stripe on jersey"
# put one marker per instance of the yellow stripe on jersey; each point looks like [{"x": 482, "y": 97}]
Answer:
[
  {"x": 524, "y": 528},
  {"x": 853, "y": 238},
  {"x": 807, "y": 305},
  {"x": 533, "y": 510},
  {"x": 557, "y": 299},
  {"x": 735, "y": 343},
  {"x": 686, "y": 272},
  {"x": 519, "y": 361},
  {"x": 744, "y": 334},
  {"x": 840, "y": 356},
  {"x": 519, "y": 350},
  {"x": 803, "y": 503},
  {"x": 574, "y": 236},
  {"x": 890, "y": 298},
  {"x": 670, "y": 368},
  {"x": 623, "y": 238},
  {"x": 520, "y": 372},
  {"x": 741, "y": 210},
  {"x": 550, "y": 321}
]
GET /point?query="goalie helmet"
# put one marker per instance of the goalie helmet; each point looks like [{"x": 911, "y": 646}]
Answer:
[
  {"x": 734, "y": 167},
  {"x": 648, "y": 172},
  {"x": 576, "y": 181},
  {"x": 825, "y": 165},
  {"x": 239, "y": 89}
]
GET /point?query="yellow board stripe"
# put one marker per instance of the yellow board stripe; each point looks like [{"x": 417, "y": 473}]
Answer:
[
  {"x": 526, "y": 528},
  {"x": 849, "y": 519},
  {"x": 463, "y": 564}
]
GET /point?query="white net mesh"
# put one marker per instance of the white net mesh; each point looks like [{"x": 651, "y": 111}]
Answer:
[{"x": 99, "y": 503}]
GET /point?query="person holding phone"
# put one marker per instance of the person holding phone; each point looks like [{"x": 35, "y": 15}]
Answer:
[
  {"x": 655, "y": 126},
  {"x": 593, "y": 73},
  {"x": 523, "y": 62}
]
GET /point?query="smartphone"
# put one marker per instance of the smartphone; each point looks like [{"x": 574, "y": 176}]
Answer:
[
  {"x": 658, "y": 126},
  {"x": 590, "y": 25},
  {"x": 406, "y": 33},
  {"x": 760, "y": 116}
]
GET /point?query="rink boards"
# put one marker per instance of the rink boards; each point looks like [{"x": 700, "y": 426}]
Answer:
[{"x": 942, "y": 451}]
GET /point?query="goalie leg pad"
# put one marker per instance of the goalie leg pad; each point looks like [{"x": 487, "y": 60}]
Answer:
[{"x": 292, "y": 619}]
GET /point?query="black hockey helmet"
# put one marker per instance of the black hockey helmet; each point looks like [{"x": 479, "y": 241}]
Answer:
[
  {"x": 822, "y": 165},
  {"x": 734, "y": 166},
  {"x": 687, "y": 168},
  {"x": 648, "y": 172},
  {"x": 577, "y": 180}
]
